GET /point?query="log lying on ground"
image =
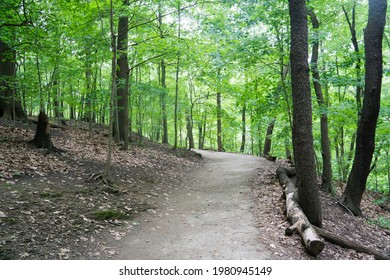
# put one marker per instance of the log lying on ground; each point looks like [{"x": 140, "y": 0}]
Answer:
[
  {"x": 309, "y": 231},
  {"x": 346, "y": 243},
  {"x": 313, "y": 243}
]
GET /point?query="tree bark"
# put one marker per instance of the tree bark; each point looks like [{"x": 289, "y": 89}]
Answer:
[
  {"x": 42, "y": 138},
  {"x": 163, "y": 103},
  {"x": 355, "y": 44},
  {"x": 365, "y": 137},
  {"x": 268, "y": 138},
  {"x": 10, "y": 107},
  {"x": 325, "y": 143},
  {"x": 122, "y": 78},
  {"x": 163, "y": 83},
  {"x": 302, "y": 114},
  {"x": 107, "y": 168},
  {"x": 219, "y": 123},
  {"x": 243, "y": 128},
  {"x": 177, "y": 77},
  {"x": 313, "y": 244},
  {"x": 189, "y": 125}
]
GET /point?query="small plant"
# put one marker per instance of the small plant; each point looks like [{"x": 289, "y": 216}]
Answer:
[{"x": 383, "y": 222}]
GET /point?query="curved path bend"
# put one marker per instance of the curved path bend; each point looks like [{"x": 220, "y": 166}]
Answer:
[{"x": 209, "y": 218}]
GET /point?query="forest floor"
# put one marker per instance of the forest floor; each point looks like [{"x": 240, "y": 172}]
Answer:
[{"x": 51, "y": 207}]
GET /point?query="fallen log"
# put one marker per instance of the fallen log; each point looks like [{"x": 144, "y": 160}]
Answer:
[
  {"x": 313, "y": 243},
  {"x": 346, "y": 243},
  {"x": 308, "y": 232}
]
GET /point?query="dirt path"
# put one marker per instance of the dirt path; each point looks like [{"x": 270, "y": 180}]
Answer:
[{"x": 209, "y": 218}]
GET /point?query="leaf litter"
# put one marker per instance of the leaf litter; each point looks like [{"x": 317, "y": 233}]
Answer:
[
  {"x": 50, "y": 210},
  {"x": 48, "y": 206},
  {"x": 270, "y": 217}
]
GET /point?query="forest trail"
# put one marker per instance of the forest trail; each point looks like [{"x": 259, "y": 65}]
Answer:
[{"x": 209, "y": 218}]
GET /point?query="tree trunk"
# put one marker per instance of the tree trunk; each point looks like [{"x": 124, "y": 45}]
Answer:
[
  {"x": 177, "y": 76},
  {"x": 243, "y": 128},
  {"x": 163, "y": 103},
  {"x": 313, "y": 244},
  {"x": 122, "y": 78},
  {"x": 219, "y": 123},
  {"x": 176, "y": 101},
  {"x": 365, "y": 137},
  {"x": 107, "y": 167},
  {"x": 302, "y": 114},
  {"x": 88, "y": 77},
  {"x": 190, "y": 135},
  {"x": 268, "y": 138},
  {"x": 355, "y": 44},
  {"x": 42, "y": 138},
  {"x": 325, "y": 143},
  {"x": 163, "y": 82},
  {"x": 200, "y": 136},
  {"x": 10, "y": 107}
]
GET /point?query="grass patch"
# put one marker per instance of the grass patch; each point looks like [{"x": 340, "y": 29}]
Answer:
[{"x": 109, "y": 215}]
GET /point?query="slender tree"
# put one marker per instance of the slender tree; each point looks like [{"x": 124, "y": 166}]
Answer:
[
  {"x": 243, "y": 128},
  {"x": 302, "y": 114},
  {"x": 163, "y": 69},
  {"x": 177, "y": 76},
  {"x": 325, "y": 143},
  {"x": 122, "y": 74},
  {"x": 268, "y": 140},
  {"x": 113, "y": 36},
  {"x": 219, "y": 123},
  {"x": 365, "y": 139}
]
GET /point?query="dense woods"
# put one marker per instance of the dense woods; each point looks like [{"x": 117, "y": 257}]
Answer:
[{"x": 207, "y": 74}]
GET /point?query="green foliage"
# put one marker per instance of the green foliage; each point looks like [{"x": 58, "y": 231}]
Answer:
[{"x": 238, "y": 49}]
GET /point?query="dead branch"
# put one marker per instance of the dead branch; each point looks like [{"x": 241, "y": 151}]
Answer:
[{"x": 346, "y": 243}]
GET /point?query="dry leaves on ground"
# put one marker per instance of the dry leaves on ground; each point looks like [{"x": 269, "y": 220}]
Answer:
[{"x": 51, "y": 209}]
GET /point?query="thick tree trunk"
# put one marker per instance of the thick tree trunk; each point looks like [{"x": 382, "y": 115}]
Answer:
[
  {"x": 122, "y": 74},
  {"x": 325, "y": 143},
  {"x": 10, "y": 107},
  {"x": 365, "y": 138},
  {"x": 313, "y": 244},
  {"x": 302, "y": 114},
  {"x": 42, "y": 138},
  {"x": 219, "y": 123}
]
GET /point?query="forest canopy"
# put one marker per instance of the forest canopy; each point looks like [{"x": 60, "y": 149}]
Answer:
[{"x": 203, "y": 74}]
